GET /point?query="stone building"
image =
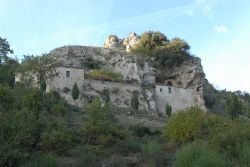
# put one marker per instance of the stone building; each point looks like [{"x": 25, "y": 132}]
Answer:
[
  {"x": 177, "y": 98},
  {"x": 68, "y": 75}
]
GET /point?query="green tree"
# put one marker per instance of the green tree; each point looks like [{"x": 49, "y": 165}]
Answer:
[
  {"x": 168, "y": 110},
  {"x": 75, "y": 92},
  {"x": 4, "y": 50},
  {"x": 100, "y": 126},
  {"x": 135, "y": 101},
  {"x": 182, "y": 126},
  {"x": 233, "y": 106},
  {"x": 37, "y": 70}
]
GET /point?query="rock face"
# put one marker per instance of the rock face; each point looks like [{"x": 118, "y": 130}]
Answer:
[
  {"x": 131, "y": 41},
  {"x": 113, "y": 42},
  {"x": 185, "y": 81}
]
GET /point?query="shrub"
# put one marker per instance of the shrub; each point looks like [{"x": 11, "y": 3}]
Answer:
[
  {"x": 130, "y": 145},
  {"x": 244, "y": 154},
  {"x": 199, "y": 154},
  {"x": 182, "y": 126},
  {"x": 153, "y": 154},
  {"x": 229, "y": 136},
  {"x": 48, "y": 160},
  {"x": 56, "y": 139},
  {"x": 135, "y": 101},
  {"x": 105, "y": 75},
  {"x": 85, "y": 156},
  {"x": 168, "y": 110},
  {"x": 91, "y": 63},
  {"x": 75, "y": 92}
]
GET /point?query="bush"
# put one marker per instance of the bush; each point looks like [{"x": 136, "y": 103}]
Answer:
[
  {"x": 244, "y": 154},
  {"x": 85, "y": 156},
  {"x": 135, "y": 101},
  {"x": 229, "y": 136},
  {"x": 200, "y": 155},
  {"x": 46, "y": 160},
  {"x": 182, "y": 126},
  {"x": 105, "y": 75},
  {"x": 75, "y": 92},
  {"x": 168, "y": 110},
  {"x": 153, "y": 154},
  {"x": 130, "y": 145},
  {"x": 56, "y": 138}
]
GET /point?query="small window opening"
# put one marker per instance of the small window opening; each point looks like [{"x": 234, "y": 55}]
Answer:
[
  {"x": 169, "y": 83},
  {"x": 67, "y": 74},
  {"x": 160, "y": 89},
  {"x": 169, "y": 90}
]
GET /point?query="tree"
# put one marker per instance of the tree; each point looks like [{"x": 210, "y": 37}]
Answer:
[
  {"x": 168, "y": 110},
  {"x": 149, "y": 41},
  {"x": 75, "y": 92},
  {"x": 37, "y": 70},
  {"x": 4, "y": 50},
  {"x": 233, "y": 106},
  {"x": 100, "y": 126},
  {"x": 135, "y": 101}
]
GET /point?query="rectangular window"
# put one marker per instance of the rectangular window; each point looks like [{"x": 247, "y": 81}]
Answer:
[
  {"x": 160, "y": 89},
  {"x": 169, "y": 90},
  {"x": 67, "y": 74}
]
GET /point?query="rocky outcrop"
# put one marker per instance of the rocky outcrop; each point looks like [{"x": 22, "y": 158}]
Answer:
[
  {"x": 128, "y": 44},
  {"x": 188, "y": 75},
  {"x": 113, "y": 42},
  {"x": 131, "y": 41}
]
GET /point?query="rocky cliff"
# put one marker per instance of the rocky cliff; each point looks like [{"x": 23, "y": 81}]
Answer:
[{"x": 136, "y": 71}]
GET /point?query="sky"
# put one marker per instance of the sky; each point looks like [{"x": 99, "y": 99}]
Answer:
[{"x": 218, "y": 31}]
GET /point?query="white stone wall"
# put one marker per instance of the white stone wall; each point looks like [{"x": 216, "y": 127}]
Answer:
[
  {"x": 61, "y": 81},
  {"x": 178, "y": 98}
]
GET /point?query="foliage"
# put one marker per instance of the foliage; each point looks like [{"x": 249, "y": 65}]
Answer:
[
  {"x": 233, "y": 107},
  {"x": 85, "y": 156},
  {"x": 7, "y": 72},
  {"x": 48, "y": 160},
  {"x": 135, "y": 101},
  {"x": 199, "y": 154},
  {"x": 228, "y": 136},
  {"x": 244, "y": 154},
  {"x": 166, "y": 53},
  {"x": 153, "y": 154},
  {"x": 129, "y": 145},
  {"x": 37, "y": 70},
  {"x": 91, "y": 63},
  {"x": 181, "y": 127},
  {"x": 75, "y": 92},
  {"x": 105, "y": 75},
  {"x": 100, "y": 127},
  {"x": 56, "y": 138},
  {"x": 150, "y": 40},
  {"x": 4, "y": 50},
  {"x": 168, "y": 110}
]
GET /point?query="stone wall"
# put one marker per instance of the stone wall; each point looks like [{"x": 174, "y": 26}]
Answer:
[
  {"x": 61, "y": 81},
  {"x": 178, "y": 98},
  {"x": 120, "y": 93}
]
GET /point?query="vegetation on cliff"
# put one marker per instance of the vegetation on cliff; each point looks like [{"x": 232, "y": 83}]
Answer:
[
  {"x": 42, "y": 129},
  {"x": 166, "y": 53}
]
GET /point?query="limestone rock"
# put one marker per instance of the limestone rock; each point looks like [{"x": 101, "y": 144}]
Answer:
[
  {"x": 113, "y": 42},
  {"x": 131, "y": 41}
]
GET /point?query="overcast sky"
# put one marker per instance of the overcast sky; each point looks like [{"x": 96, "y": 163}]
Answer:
[{"x": 217, "y": 30}]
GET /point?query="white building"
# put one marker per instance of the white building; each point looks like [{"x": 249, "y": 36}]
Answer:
[{"x": 177, "y": 98}]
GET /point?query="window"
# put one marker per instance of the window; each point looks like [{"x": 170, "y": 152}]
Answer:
[
  {"x": 169, "y": 90},
  {"x": 160, "y": 89},
  {"x": 67, "y": 74}
]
